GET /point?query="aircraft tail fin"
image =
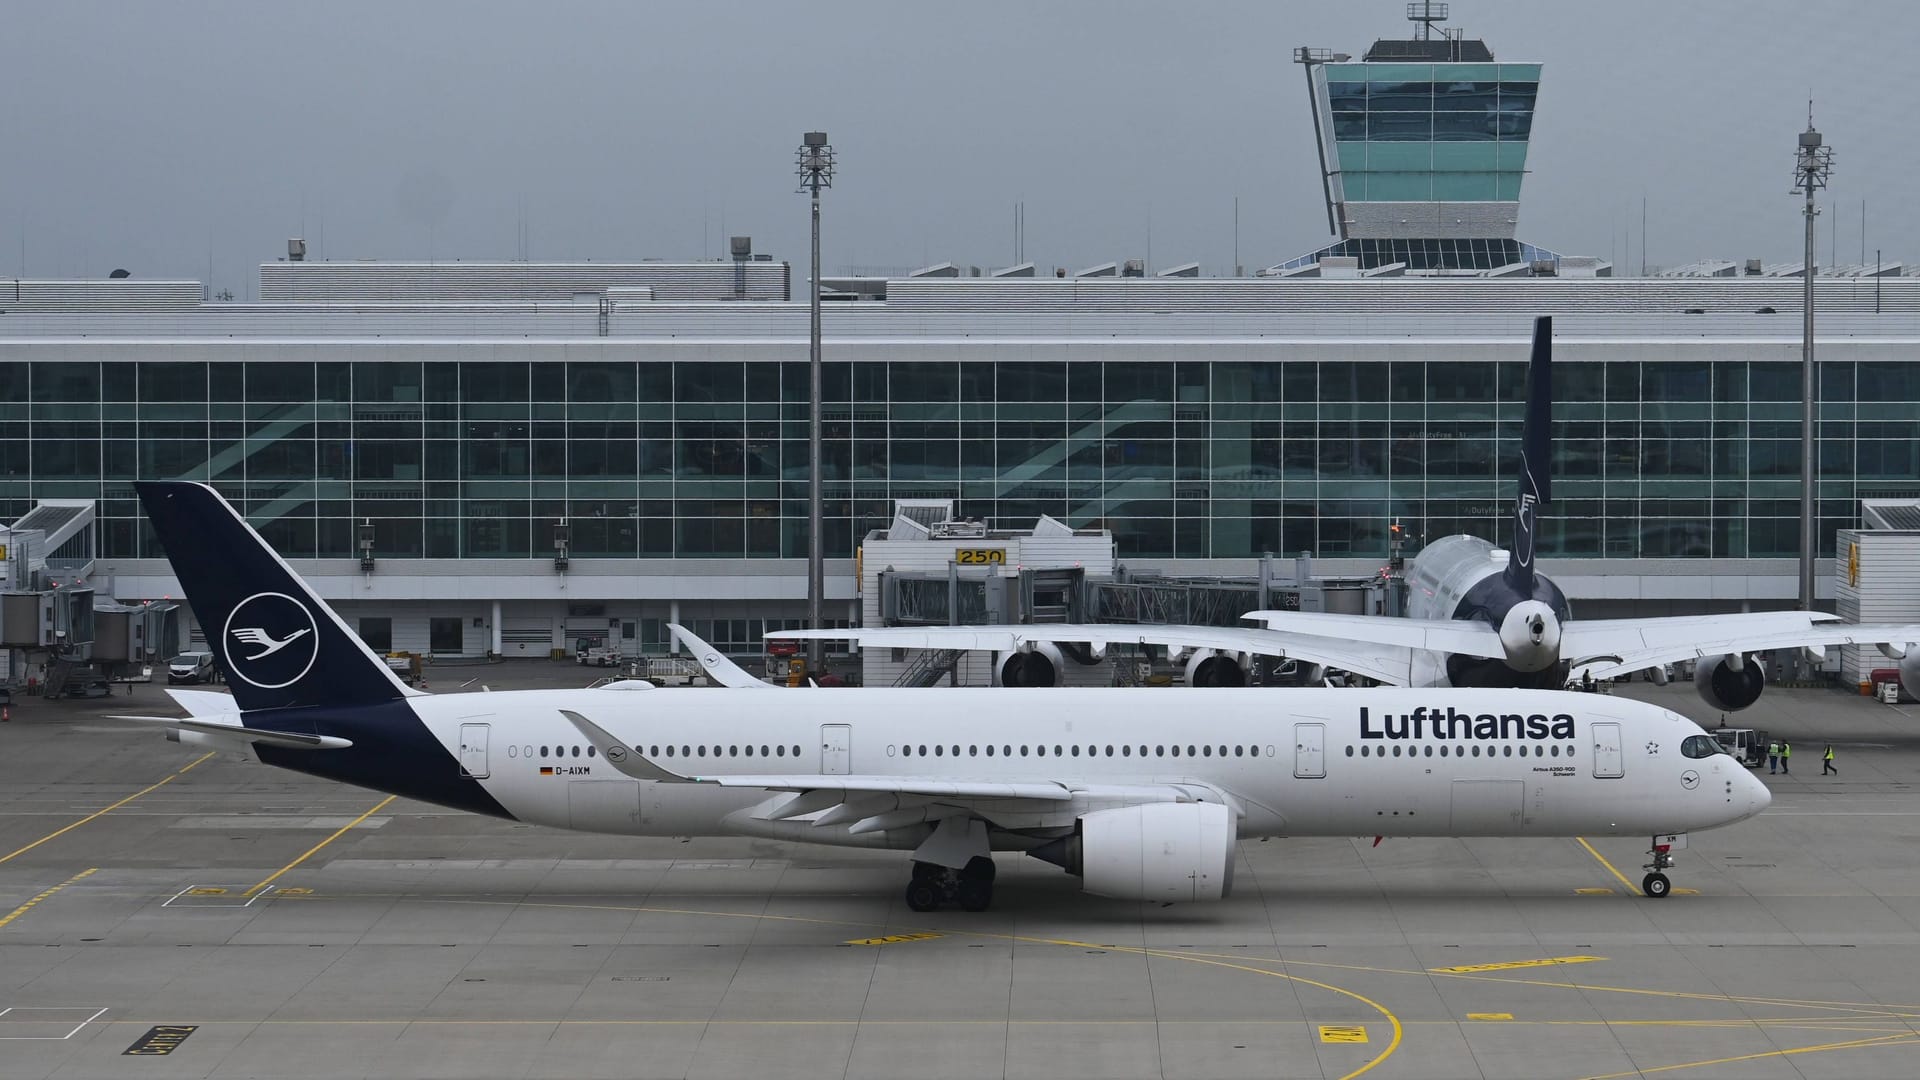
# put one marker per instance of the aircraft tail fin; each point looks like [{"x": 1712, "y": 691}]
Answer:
[
  {"x": 277, "y": 643},
  {"x": 1536, "y": 458}
]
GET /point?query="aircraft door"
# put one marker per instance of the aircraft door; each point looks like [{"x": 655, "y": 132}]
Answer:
[
  {"x": 1608, "y": 763},
  {"x": 836, "y": 749},
  {"x": 473, "y": 751},
  {"x": 1310, "y": 751}
]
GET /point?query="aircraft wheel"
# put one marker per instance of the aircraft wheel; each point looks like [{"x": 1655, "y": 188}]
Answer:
[
  {"x": 974, "y": 894},
  {"x": 924, "y": 894},
  {"x": 980, "y": 867},
  {"x": 926, "y": 871},
  {"x": 1656, "y": 886}
]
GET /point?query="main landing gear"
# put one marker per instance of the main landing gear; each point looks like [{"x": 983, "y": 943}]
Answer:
[
  {"x": 1655, "y": 885},
  {"x": 933, "y": 885}
]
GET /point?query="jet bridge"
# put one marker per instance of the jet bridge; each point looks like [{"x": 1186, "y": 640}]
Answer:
[{"x": 46, "y": 601}]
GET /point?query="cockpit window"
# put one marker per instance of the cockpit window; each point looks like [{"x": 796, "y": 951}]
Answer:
[{"x": 1700, "y": 746}]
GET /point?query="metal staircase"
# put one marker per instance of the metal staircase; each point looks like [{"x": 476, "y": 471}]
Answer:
[
  {"x": 931, "y": 666},
  {"x": 59, "y": 674}
]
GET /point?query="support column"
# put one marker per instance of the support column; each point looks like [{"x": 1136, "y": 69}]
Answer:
[
  {"x": 673, "y": 636},
  {"x": 493, "y": 635}
]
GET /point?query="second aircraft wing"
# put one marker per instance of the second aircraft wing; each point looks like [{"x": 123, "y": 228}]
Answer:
[{"x": 1385, "y": 662}]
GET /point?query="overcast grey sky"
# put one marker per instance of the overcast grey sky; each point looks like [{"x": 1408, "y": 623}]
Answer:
[{"x": 162, "y": 137}]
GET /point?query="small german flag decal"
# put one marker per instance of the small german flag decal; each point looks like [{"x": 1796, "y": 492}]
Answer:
[{"x": 546, "y": 770}]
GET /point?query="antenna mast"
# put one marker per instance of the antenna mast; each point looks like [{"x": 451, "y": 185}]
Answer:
[{"x": 1812, "y": 164}]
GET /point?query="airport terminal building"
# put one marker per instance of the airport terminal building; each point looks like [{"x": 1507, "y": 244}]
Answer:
[
  {"x": 503, "y": 458},
  {"x": 1203, "y": 422}
]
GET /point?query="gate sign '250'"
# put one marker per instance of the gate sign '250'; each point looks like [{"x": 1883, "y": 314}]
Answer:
[{"x": 980, "y": 556}]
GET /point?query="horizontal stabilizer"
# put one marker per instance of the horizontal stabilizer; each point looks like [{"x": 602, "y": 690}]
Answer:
[{"x": 293, "y": 740}]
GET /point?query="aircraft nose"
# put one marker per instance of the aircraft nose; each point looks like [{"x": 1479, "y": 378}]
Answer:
[{"x": 1759, "y": 795}]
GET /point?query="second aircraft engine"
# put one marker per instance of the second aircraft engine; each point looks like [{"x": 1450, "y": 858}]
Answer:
[
  {"x": 1910, "y": 670},
  {"x": 1168, "y": 852},
  {"x": 1209, "y": 668},
  {"x": 1727, "y": 688},
  {"x": 1042, "y": 666}
]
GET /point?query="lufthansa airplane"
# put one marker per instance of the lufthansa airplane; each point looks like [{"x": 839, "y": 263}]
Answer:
[
  {"x": 1478, "y": 616},
  {"x": 1139, "y": 804}
]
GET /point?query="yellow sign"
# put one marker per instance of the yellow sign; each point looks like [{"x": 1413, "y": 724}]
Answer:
[
  {"x": 1853, "y": 565},
  {"x": 981, "y": 556},
  {"x": 1511, "y": 965},
  {"x": 1340, "y": 1033},
  {"x": 894, "y": 939},
  {"x": 160, "y": 1041}
]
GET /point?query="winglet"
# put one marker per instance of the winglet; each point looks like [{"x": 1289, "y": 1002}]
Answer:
[
  {"x": 718, "y": 667},
  {"x": 1536, "y": 466},
  {"x": 625, "y": 760}
]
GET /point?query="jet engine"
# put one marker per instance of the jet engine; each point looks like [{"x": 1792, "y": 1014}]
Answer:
[
  {"x": 1530, "y": 636},
  {"x": 1039, "y": 663},
  {"x": 1729, "y": 683},
  {"x": 1909, "y": 658},
  {"x": 1211, "y": 668},
  {"x": 1165, "y": 852}
]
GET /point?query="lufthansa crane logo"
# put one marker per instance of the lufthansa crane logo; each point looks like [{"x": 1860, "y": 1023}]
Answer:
[{"x": 271, "y": 640}]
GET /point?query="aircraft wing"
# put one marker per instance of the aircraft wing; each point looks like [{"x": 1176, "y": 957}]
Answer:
[
  {"x": 1708, "y": 639},
  {"x": 1431, "y": 635},
  {"x": 1583, "y": 639},
  {"x": 1379, "y": 661}
]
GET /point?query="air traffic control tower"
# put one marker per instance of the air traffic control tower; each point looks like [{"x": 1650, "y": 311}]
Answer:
[{"x": 1422, "y": 147}]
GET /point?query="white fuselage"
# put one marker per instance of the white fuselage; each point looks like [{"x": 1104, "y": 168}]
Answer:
[{"x": 1405, "y": 762}]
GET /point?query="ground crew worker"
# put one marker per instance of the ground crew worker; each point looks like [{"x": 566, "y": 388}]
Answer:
[
  {"x": 1773, "y": 757},
  {"x": 1826, "y": 762},
  {"x": 1786, "y": 754}
]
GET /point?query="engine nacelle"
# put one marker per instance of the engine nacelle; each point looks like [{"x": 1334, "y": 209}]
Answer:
[
  {"x": 1040, "y": 665},
  {"x": 1210, "y": 668},
  {"x": 1726, "y": 687},
  {"x": 1164, "y": 852},
  {"x": 1530, "y": 636},
  {"x": 1910, "y": 671}
]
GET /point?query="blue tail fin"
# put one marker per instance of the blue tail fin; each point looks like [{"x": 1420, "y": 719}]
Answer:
[
  {"x": 278, "y": 644},
  {"x": 1536, "y": 465}
]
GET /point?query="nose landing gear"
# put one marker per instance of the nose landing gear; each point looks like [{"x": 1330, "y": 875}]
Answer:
[
  {"x": 1655, "y": 885},
  {"x": 970, "y": 886}
]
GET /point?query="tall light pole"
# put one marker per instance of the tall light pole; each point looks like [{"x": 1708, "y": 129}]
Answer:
[
  {"x": 814, "y": 162},
  {"x": 1811, "y": 166}
]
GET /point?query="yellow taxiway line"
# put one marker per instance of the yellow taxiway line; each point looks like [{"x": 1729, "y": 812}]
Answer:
[
  {"x": 308, "y": 854},
  {"x": 1631, "y": 887},
  {"x": 338, "y": 833},
  {"x": 28, "y": 906},
  {"x": 98, "y": 813}
]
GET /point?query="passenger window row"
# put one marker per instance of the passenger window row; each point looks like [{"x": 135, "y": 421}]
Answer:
[
  {"x": 1525, "y": 750},
  {"x": 718, "y": 751},
  {"x": 1076, "y": 750},
  {"x": 670, "y": 751}
]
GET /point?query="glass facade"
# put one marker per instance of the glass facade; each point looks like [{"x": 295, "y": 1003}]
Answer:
[
  {"x": 1428, "y": 254},
  {"x": 1430, "y": 132},
  {"x": 1180, "y": 458}
]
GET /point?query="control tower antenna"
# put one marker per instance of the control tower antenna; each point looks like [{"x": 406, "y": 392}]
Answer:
[
  {"x": 1812, "y": 163},
  {"x": 1429, "y": 15}
]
